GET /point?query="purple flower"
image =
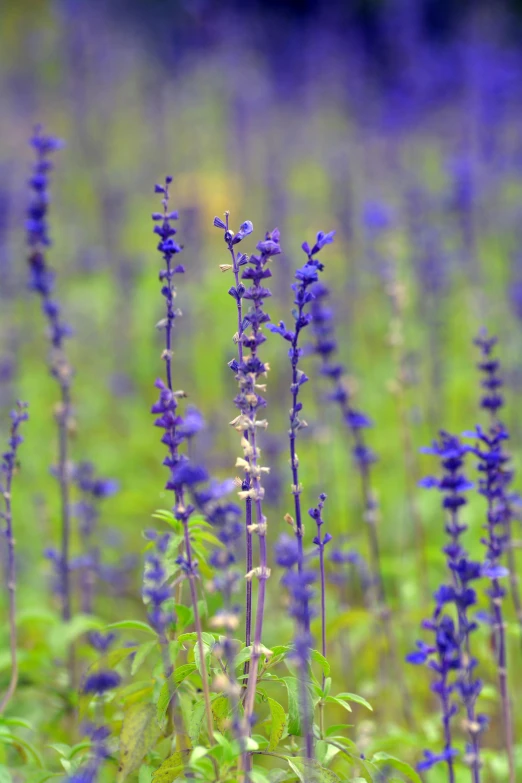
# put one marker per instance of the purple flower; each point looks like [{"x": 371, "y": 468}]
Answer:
[{"x": 101, "y": 681}]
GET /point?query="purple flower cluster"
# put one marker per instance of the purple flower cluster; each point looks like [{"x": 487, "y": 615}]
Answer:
[
  {"x": 306, "y": 276},
  {"x": 98, "y": 683},
  {"x": 41, "y": 277},
  {"x": 156, "y": 593},
  {"x": 463, "y": 571},
  {"x": 298, "y": 580},
  {"x": 249, "y": 401},
  {"x": 236, "y": 292},
  {"x": 169, "y": 248},
  {"x": 41, "y": 280},
  {"x": 7, "y": 470}
]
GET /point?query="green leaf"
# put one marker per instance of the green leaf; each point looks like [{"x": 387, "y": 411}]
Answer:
[
  {"x": 64, "y": 634},
  {"x": 145, "y": 774},
  {"x": 141, "y": 654},
  {"x": 243, "y": 655},
  {"x": 294, "y": 717},
  {"x": 340, "y": 702},
  {"x": 171, "y": 767},
  {"x": 310, "y": 771},
  {"x": 220, "y": 710},
  {"x": 184, "y": 615},
  {"x": 131, "y": 625},
  {"x": 383, "y": 760},
  {"x": 61, "y": 748},
  {"x": 29, "y": 750},
  {"x": 16, "y": 722},
  {"x": 209, "y": 538},
  {"x": 139, "y": 732},
  {"x": 5, "y": 775},
  {"x": 196, "y": 719},
  {"x": 354, "y": 697},
  {"x": 182, "y": 672},
  {"x": 338, "y": 727},
  {"x": 256, "y": 776},
  {"x": 208, "y": 643},
  {"x": 321, "y": 660},
  {"x": 278, "y": 723}
]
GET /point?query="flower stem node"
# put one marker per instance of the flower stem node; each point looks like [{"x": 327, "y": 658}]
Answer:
[{"x": 261, "y": 572}]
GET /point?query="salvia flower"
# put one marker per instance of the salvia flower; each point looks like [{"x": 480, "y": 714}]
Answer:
[
  {"x": 249, "y": 401},
  {"x": 92, "y": 489},
  {"x": 492, "y": 465},
  {"x": 99, "y": 683},
  {"x": 443, "y": 657},
  {"x": 320, "y": 542},
  {"x": 236, "y": 292},
  {"x": 298, "y": 583},
  {"x": 492, "y": 401},
  {"x": 41, "y": 276},
  {"x": 7, "y": 469},
  {"x": 41, "y": 280},
  {"x": 305, "y": 278},
  {"x": 453, "y": 486}
]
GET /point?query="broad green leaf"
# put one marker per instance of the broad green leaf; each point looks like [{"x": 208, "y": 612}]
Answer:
[
  {"x": 163, "y": 702},
  {"x": 257, "y": 776},
  {"x": 220, "y": 710},
  {"x": 196, "y": 719},
  {"x": 321, "y": 660},
  {"x": 187, "y": 637},
  {"x": 294, "y": 718},
  {"x": 310, "y": 771},
  {"x": 278, "y": 723},
  {"x": 145, "y": 774},
  {"x": 171, "y": 767},
  {"x": 20, "y": 744},
  {"x": 182, "y": 672},
  {"x": 198, "y": 753},
  {"x": 355, "y": 698},
  {"x": 340, "y": 702},
  {"x": 184, "y": 615},
  {"x": 131, "y": 625},
  {"x": 141, "y": 654},
  {"x": 243, "y": 655},
  {"x": 209, "y": 538},
  {"x": 61, "y": 748},
  {"x": 382, "y": 760},
  {"x": 339, "y": 727},
  {"x": 16, "y": 722},
  {"x": 139, "y": 732}
]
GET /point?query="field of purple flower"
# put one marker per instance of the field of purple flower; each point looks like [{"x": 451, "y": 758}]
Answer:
[{"x": 295, "y": 241}]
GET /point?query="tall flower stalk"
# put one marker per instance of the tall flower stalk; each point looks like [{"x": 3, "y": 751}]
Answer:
[
  {"x": 453, "y": 485},
  {"x": 492, "y": 401},
  {"x": 492, "y": 461},
  {"x": 249, "y": 401},
  {"x": 298, "y": 582},
  {"x": 444, "y": 658},
  {"x": 496, "y": 477},
  {"x": 8, "y": 467},
  {"x": 305, "y": 278},
  {"x": 237, "y": 292},
  {"x": 169, "y": 419},
  {"x": 41, "y": 280},
  {"x": 320, "y": 542}
]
